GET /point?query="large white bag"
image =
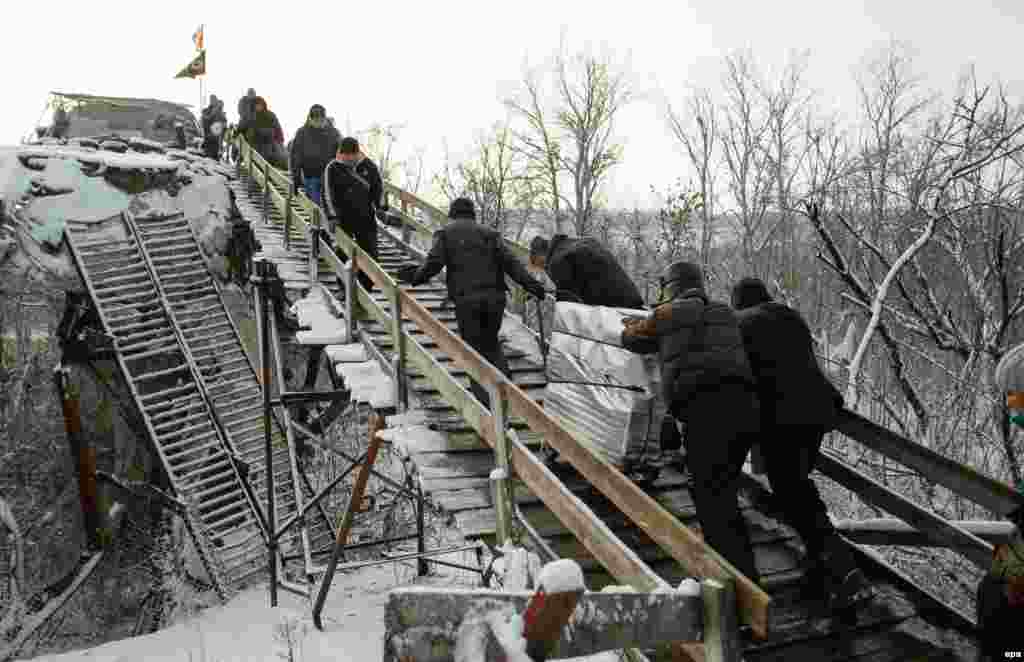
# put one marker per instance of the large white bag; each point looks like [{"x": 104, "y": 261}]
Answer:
[{"x": 586, "y": 347}]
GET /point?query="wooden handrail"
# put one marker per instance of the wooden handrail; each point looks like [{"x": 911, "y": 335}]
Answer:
[
  {"x": 677, "y": 540},
  {"x": 958, "y": 478}
]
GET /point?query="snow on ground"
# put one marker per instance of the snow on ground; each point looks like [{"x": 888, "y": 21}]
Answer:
[
  {"x": 247, "y": 628},
  {"x": 43, "y": 186}
]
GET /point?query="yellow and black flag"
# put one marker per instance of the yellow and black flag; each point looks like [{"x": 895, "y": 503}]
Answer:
[{"x": 197, "y": 67}]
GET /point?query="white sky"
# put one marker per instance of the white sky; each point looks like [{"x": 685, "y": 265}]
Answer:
[{"x": 442, "y": 68}]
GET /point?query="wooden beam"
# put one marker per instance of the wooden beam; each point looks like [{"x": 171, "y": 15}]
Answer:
[
  {"x": 682, "y": 544},
  {"x": 930, "y": 524},
  {"x": 421, "y": 624},
  {"x": 664, "y": 528},
  {"x": 999, "y": 498},
  {"x": 892, "y": 531},
  {"x": 721, "y": 633}
]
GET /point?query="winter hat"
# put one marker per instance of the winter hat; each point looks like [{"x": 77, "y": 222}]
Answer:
[
  {"x": 348, "y": 145},
  {"x": 539, "y": 247},
  {"x": 749, "y": 292},
  {"x": 318, "y": 109},
  {"x": 461, "y": 208},
  {"x": 682, "y": 276},
  {"x": 251, "y": 92}
]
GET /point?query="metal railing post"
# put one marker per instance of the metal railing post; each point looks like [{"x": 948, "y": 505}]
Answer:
[
  {"x": 266, "y": 193},
  {"x": 262, "y": 273},
  {"x": 406, "y": 230}
]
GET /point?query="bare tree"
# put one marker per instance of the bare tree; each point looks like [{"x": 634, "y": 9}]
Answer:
[
  {"x": 569, "y": 132},
  {"x": 591, "y": 93},
  {"x": 696, "y": 129},
  {"x": 747, "y": 172},
  {"x": 539, "y": 143}
]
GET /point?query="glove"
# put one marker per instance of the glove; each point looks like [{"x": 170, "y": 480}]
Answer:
[{"x": 407, "y": 273}]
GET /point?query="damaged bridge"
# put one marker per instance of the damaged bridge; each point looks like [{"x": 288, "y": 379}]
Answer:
[{"x": 199, "y": 395}]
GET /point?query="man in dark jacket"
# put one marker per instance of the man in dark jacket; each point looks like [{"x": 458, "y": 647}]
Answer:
[
  {"x": 313, "y": 147},
  {"x": 584, "y": 271},
  {"x": 477, "y": 261},
  {"x": 214, "y": 122},
  {"x": 245, "y": 106},
  {"x": 707, "y": 384},
  {"x": 798, "y": 406},
  {"x": 353, "y": 190},
  {"x": 263, "y": 132}
]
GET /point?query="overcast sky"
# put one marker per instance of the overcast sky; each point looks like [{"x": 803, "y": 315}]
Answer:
[{"x": 442, "y": 68}]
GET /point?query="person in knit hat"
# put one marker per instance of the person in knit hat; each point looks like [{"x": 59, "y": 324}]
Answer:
[
  {"x": 477, "y": 261},
  {"x": 798, "y": 406},
  {"x": 353, "y": 192},
  {"x": 707, "y": 385}
]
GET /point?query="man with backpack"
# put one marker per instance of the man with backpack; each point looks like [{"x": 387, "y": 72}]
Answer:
[
  {"x": 353, "y": 192},
  {"x": 477, "y": 260}
]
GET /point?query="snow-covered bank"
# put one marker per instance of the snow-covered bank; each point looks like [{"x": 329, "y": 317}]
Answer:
[
  {"x": 42, "y": 187},
  {"x": 247, "y": 628}
]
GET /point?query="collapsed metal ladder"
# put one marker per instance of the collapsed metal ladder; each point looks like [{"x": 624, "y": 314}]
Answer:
[{"x": 195, "y": 388}]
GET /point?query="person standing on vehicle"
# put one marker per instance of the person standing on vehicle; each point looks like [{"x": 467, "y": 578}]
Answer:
[
  {"x": 477, "y": 261},
  {"x": 584, "y": 271},
  {"x": 314, "y": 146},
  {"x": 707, "y": 384},
  {"x": 214, "y": 121},
  {"x": 353, "y": 190},
  {"x": 798, "y": 406}
]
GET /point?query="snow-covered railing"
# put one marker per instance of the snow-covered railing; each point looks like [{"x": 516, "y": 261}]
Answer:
[
  {"x": 688, "y": 549},
  {"x": 559, "y": 619}
]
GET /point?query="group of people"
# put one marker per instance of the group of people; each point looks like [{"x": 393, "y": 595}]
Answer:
[{"x": 733, "y": 375}]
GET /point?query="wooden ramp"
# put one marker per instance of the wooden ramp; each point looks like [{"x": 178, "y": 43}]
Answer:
[{"x": 454, "y": 464}]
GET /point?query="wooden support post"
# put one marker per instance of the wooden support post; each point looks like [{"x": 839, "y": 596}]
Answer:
[
  {"x": 398, "y": 342},
  {"x": 266, "y": 193},
  {"x": 406, "y": 230},
  {"x": 721, "y": 627},
  {"x": 288, "y": 219},
  {"x": 350, "y": 297},
  {"x": 501, "y": 477},
  {"x": 314, "y": 249},
  {"x": 376, "y": 423},
  {"x": 83, "y": 456}
]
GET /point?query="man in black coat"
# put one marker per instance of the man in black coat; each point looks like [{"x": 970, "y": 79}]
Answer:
[
  {"x": 798, "y": 406},
  {"x": 584, "y": 271},
  {"x": 707, "y": 384},
  {"x": 353, "y": 192},
  {"x": 477, "y": 262}
]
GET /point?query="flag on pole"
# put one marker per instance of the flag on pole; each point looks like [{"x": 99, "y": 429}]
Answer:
[
  {"x": 197, "y": 67},
  {"x": 197, "y": 38}
]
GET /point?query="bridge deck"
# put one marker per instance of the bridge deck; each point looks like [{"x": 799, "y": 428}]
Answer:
[{"x": 903, "y": 623}]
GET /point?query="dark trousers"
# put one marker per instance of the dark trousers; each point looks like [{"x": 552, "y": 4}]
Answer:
[
  {"x": 364, "y": 231},
  {"x": 479, "y": 318},
  {"x": 790, "y": 453},
  {"x": 721, "y": 426}
]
